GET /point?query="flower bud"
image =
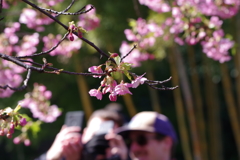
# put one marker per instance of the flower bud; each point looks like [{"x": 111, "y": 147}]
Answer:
[
  {"x": 114, "y": 55},
  {"x": 23, "y": 122},
  {"x": 11, "y": 129},
  {"x": 9, "y": 135}
]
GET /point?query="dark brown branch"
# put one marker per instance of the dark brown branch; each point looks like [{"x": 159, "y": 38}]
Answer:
[{"x": 66, "y": 72}]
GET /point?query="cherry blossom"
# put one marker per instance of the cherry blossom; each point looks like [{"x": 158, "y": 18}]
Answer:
[
  {"x": 95, "y": 69},
  {"x": 38, "y": 102},
  {"x": 96, "y": 93},
  {"x": 122, "y": 89},
  {"x": 139, "y": 80}
]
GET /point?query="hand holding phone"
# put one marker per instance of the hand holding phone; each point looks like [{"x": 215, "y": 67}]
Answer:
[{"x": 74, "y": 118}]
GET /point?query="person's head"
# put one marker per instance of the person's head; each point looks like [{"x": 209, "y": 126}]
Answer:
[
  {"x": 149, "y": 136},
  {"x": 94, "y": 142}
]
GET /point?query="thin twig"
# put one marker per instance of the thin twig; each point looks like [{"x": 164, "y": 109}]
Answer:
[
  {"x": 134, "y": 46},
  {"x": 67, "y": 13},
  {"x": 158, "y": 82},
  {"x": 61, "y": 70},
  {"x": 46, "y": 52},
  {"x": 24, "y": 86},
  {"x": 163, "y": 87},
  {"x": 68, "y": 7}
]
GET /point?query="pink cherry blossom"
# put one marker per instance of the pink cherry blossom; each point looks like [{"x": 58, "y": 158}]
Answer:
[
  {"x": 89, "y": 21},
  {"x": 95, "y": 69},
  {"x": 66, "y": 48},
  {"x": 38, "y": 102},
  {"x": 96, "y": 93},
  {"x": 215, "y": 22},
  {"x": 139, "y": 80},
  {"x": 110, "y": 87},
  {"x": 112, "y": 97},
  {"x": 23, "y": 121},
  {"x": 34, "y": 20},
  {"x": 122, "y": 89}
]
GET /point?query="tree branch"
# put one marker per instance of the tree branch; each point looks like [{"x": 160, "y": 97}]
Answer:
[{"x": 66, "y": 27}]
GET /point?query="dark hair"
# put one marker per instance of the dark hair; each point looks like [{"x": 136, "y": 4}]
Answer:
[{"x": 108, "y": 115}]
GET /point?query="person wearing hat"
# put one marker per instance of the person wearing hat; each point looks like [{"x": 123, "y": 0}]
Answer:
[{"x": 148, "y": 136}]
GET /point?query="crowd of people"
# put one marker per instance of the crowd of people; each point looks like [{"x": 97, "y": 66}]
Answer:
[{"x": 147, "y": 136}]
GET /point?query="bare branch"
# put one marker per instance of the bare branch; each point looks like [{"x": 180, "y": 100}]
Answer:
[
  {"x": 158, "y": 82},
  {"x": 62, "y": 71},
  {"x": 163, "y": 88},
  {"x": 68, "y": 13},
  {"x": 134, "y": 46},
  {"x": 46, "y": 52},
  {"x": 24, "y": 86},
  {"x": 68, "y": 7}
]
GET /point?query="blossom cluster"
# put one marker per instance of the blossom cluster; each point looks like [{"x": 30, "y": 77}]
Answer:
[
  {"x": 144, "y": 34},
  {"x": 109, "y": 83},
  {"x": 191, "y": 22},
  {"x": 38, "y": 102},
  {"x": 10, "y": 44},
  {"x": 9, "y": 120},
  {"x": 34, "y": 20}
]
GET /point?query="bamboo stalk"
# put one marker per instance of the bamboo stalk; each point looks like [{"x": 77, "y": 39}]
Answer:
[
  {"x": 184, "y": 84},
  {"x": 231, "y": 106},
  {"x": 153, "y": 94},
  {"x": 237, "y": 60},
  {"x": 180, "y": 110},
  {"x": 83, "y": 89},
  {"x": 198, "y": 103},
  {"x": 129, "y": 104},
  {"x": 213, "y": 110}
]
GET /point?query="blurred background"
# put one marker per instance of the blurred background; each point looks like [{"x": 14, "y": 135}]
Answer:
[{"x": 204, "y": 109}]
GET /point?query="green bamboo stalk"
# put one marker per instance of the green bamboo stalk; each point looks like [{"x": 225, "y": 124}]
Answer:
[
  {"x": 231, "y": 106},
  {"x": 185, "y": 87},
  {"x": 237, "y": 59},
  {"x": 213, "y": 110},
  {"x": 184, "y": 137},
  {"x": 129, "y": 104},
  {"x": 83, "y": 89},
  {"x": 198, "y": 102}
]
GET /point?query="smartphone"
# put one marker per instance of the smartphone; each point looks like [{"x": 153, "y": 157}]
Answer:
[
  {"x": 105, "y": 127},
  {"x": 74, "y": 118}
]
